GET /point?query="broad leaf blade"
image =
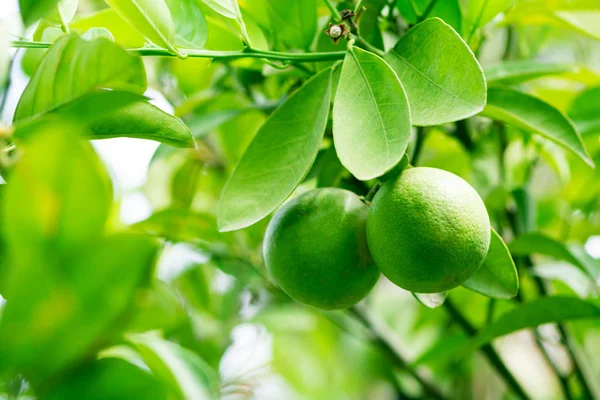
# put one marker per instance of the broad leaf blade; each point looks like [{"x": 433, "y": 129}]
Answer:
[
  {"x": 294, "y": 22},
  {"x": 151, "y": 17},
  {"x": 278, "y": 158},
  {"x": 190, "y": 24},
  {"x": 513, "y": 72},
  {"x": 585, "y": 111},
  {"x": 64, "y": 74},
  {"x": 371, "y": 116},
  {"x": 185, "y": 371},
  {"x": 123, "y": 33},
  {"x": 532, "y": 114},
  {"x": 441, "y": 76},
  {"x": 497, "y": 277}
]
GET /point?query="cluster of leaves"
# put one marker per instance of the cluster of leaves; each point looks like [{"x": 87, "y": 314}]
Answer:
[{"x": 266, "y": 106}]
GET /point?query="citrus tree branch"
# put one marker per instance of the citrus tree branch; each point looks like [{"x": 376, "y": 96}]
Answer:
[{"x": 217, "y": 55}]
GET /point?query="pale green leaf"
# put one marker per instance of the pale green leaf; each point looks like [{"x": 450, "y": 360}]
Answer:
[
  {"x": 532, "y": 114},
  {"x": 64, "y": 74},
  {"x": 371, "y": 116},
  {"x": 497, "y": 277},
  {"x": 230, "y": 9},
  {"x": 278, "y": 158},
  {"x": 151, "y": 17},
  {"x": 68, "y": 9},
  {"x": 110, "y": 114},
  {"x": 190, "y": 24},
  {"x": 4, "y": 54},
  {"x": 186, "y": 373},
  {"x": 478, "y": 13},
  {"x": 431, "y": 300},
  {"x": 124, "y": 34},
  {"x": 585, "y": 111},
  {"x": 514, "y": 72},
  {"x": 585, "y": 21},
  {"x": 441, "y": 76}
]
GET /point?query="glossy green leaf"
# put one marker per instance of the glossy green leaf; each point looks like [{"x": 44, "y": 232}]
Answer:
[
  {"x": 532, "y": 114},
  {"x": 431, "y": 300},
  {"x": 230, "y": 9},
  {"x": 514, "y": 72},
  {"x": 190, "y": 24},
  {"x": 371, "y": 116},
  {"x": 536, "y": 313},
  {"x": 294, "y": 23},
  {"x": 585, "y": 111},
  {"x": 33, "y": 10},
  {"x": 152, "y": 18},
  {"x": 109, "y": 378},
  {"x": 497, "y": 277},
  {"x": 64, "y": 74},
  {"x": 110, "y": 114},
  {"x": 278, "y": 158},
  {"x": 441, "y": 76},
  {"x": 124, "y": 34},
  {"x": 186, "y": 373}
]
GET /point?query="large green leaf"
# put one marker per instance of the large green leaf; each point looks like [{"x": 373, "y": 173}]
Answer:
[
  {"x": 585, "y": 111},
  {"x": 293, "y": 22},
  {"x": 441, "y": 76},
  {"x": 538, "y": 243},
  {"x": 33, "y": 10},
  {"x": 514, "y": 72},
  {"x": 186, "y": 373},
  {"x": 151, "y": 17},
  {"x": 538, "y": 312},
  {"x": 532, "y": 114},
  {"x": 371, "y": 116},
  {"x": 123, "y": 33},
  {"x": 109, "y": 378},
  {"x": 190, "y": 24},
  {"x": 64, "y": 74},
  {"x": 110, "y": 114},
  {"x": 497, "y": 277},
  {"x": 278, "y": 158}
]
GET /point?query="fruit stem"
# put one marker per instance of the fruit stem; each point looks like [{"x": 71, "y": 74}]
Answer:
[
  {"x": 382, "y": 340},
  {"x": 488, "y": 350}
]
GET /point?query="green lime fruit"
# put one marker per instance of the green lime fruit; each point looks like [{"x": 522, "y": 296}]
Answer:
[
  {"x": 316, "y": 249},
  {"x": 428, "y": 230}
]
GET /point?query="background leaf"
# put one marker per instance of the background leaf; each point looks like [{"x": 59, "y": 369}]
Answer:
[
  {"x": 278, "y": 158},
  {"x": 535, "y": 115},
  {"x": 514, "y": 72},
  {"x": 497, "y": 277},
  {"x": 190, "y": 24},
  {"x": 64, "y": 74},
  {"x": 431, "y": 300},
  {"x": 441, "y": 76},
  {"x": 371, "y": 116},
  {"x": 585, "y": 111},
  {"x": 33, "y": 10}
]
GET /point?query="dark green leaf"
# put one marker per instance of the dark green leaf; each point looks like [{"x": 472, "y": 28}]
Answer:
[
  {"x": 186, "y": 373},
  {"x": 64, "y": 74},
  {"x": 109, "y": 378},
  {"x": 371, "y": 116},
  {"x": 532, "y": 114},
  {"x": 441, "y": 76},
  {"x": 497, "y": 277},
  {"x": 514, "y": 72},
  {"x": 33, "y": 10},
  {"x": 585, "y": 111},
  {"x": 278, "y": 158},
  {"x": 294, "y": 22}
]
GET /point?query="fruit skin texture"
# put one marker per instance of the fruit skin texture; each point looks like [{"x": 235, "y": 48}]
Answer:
[
  {"x": 316, "y": 250},
  {"x": 428, "y": 230}
]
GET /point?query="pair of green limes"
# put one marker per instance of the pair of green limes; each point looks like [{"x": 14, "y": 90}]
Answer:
[{"x": 427, "y": 231}]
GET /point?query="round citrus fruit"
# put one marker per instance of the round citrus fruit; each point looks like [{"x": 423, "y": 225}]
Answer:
[
  {"x": 428, "y": 230},
  {"x": 316, "y": 249}
]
